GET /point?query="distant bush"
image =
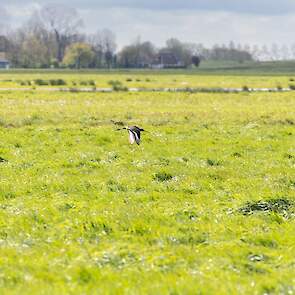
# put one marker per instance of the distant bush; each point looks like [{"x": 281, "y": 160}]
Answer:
[
  {"x": 292, "y": 87},
  {"x": 245, "y": 88},
  {"x": 117, "y": 85},
  {"x": 52, "y": 82},
  {"x": 40, "y": 82},
  {"x": 129, "y": 80},
  {"x": 86, "y": 83},
  {"x": 57, "y": 82},
  {"x": 120, "y": 88}
]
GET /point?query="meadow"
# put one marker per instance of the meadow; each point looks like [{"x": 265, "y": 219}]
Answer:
[
  {"x": 205, "y": 205},
  {"x": 144, "y": 79}
]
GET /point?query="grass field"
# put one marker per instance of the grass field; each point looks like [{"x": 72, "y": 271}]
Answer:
[
  {"x": 222, "y": 76},
  {"x": 205, "y": 205}
]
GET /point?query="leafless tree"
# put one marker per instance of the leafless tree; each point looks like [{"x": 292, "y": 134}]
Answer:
[
  {"x": 138, "y": 54},
  {"x": 95, "y": 40},
  {"x": 275, "y": 55},
  {"x": 255, "y": 52},
  {"x": 104, "y": 45},
  {"x": 265, "y": 54},
  {"x": 232, "y": 45},
  {"x": 285, "y": 52},
  {"x": 109, "y": 45},
  {"x": 183, "y": 51},
  {"x": 64, "y": 22}
]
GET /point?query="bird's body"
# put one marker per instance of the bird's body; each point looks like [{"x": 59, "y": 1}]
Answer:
[{"x": 134, "y": 133}]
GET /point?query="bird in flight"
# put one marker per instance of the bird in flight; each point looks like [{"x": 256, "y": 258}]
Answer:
[{"x": 134, "y": 133}]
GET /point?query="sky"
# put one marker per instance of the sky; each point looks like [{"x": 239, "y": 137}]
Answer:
[{"x": 200, "y": 21}]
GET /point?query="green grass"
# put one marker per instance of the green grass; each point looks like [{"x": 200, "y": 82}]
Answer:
[
  {"x": 209, "y": 75},
  {"x": 249, "y": 68},
  {"x": 204, "y": 206},
  {"x": 224, "y": 67}
]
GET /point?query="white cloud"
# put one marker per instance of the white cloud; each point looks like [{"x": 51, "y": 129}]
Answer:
[
  {"x": 208, "y": 27},
  {"x": 265, "y": 7},
  {"x": 21, "y": 12}
]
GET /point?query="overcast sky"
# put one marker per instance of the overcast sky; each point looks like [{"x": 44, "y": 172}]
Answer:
[{"x": 200, "y": 21}]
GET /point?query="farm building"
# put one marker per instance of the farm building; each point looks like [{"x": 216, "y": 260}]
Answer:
[
  {"x": 166, "y": 60},
  {"x": 4, "y": 63}
]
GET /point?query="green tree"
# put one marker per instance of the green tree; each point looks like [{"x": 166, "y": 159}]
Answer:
[{"x": 78, "y": 55}]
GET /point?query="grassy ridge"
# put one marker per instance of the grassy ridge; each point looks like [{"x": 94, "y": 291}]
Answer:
[
  {"x": 268, "y": 68},
  {"x": 144, "y": 79},
  {"x": 205, "y": 204}
]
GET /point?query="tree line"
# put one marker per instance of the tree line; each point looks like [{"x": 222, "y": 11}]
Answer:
[{"x": 52, "y": 38}]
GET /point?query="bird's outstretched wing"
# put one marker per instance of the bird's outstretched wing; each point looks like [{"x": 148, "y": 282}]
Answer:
[
  {"x": 138, "y": 128},
  {"x": 131, "y": 137}
]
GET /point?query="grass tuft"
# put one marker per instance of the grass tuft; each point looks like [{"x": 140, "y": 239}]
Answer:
[
  {"x": 162, "y": 176},
  {"x": 211, "y": 162},
  {"x": 280, "y": 205}
]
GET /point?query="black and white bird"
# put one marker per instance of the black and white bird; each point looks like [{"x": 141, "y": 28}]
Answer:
[{"x": 134, "y": 133}]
